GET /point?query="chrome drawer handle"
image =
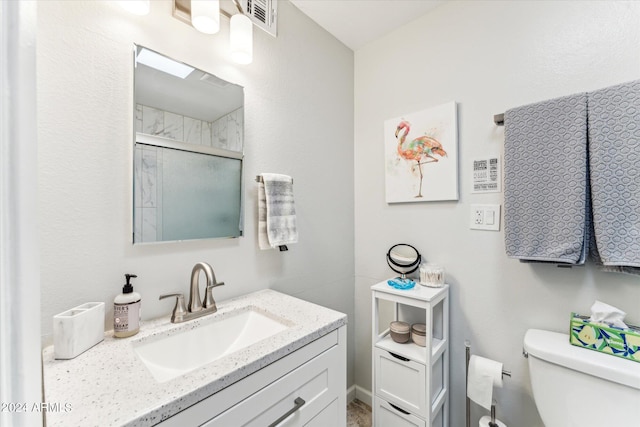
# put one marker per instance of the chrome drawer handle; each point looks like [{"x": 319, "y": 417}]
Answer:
[
  {"x": 404, "y": 359},
  {"x": 399, "y": 409},
  {"x": 299, "y": 403}
]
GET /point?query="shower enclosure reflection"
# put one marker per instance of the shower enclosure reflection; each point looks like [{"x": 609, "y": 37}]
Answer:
[{"x": 187, "y": 152}]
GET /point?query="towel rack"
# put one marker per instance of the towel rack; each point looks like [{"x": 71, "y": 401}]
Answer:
[
  {"x": 498, "y": 119},
  {"x": 259, "y": 179}
]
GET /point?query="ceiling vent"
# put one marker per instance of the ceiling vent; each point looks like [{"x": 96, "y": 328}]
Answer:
[{"x": 263, "y": 13}]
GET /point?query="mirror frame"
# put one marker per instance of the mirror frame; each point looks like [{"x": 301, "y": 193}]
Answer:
[{"x": 410, "y": 265}]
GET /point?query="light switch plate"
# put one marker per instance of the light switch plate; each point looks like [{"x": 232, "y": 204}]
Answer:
[{"x": 485, "y": 217}]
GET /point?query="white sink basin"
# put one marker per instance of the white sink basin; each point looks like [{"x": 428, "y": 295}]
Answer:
[{"x": 170, "y": 356}]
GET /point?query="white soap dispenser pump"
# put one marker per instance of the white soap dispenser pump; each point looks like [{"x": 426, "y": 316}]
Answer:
[{"x": 126, "y": 311}]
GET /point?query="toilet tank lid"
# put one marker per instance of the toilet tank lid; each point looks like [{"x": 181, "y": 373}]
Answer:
[{"x": 555, "y": 348}]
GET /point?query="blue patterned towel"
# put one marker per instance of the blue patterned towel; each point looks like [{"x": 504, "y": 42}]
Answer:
[
  {"x": 276, "y": 212},
  {"x": 614, "y": 161},
  {"x": 545, "y": 194}
]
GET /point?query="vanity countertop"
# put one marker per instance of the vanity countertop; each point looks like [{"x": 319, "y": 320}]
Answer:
[{"x": 108, "y": 385}]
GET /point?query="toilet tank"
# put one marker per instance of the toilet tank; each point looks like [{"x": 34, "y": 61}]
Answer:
[{"x": 576, "y": 387}]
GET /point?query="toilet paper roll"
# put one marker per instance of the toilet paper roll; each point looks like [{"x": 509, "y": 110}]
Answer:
[
  {"x": 484, "y": 374},
  {"x": 484, "y": 422}
]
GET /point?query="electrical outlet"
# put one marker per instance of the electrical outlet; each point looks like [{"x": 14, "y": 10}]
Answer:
[
  {"x": 479, "y": 216},
  {"x": 485, "y": 217}
]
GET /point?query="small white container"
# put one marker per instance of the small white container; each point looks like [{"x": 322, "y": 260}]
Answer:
[
  {"x": 77, "y": 330},
  {"x": 400, "y": 331},
  {"x": 419, "y": 334},
  {"x": 431, "y": 275}
]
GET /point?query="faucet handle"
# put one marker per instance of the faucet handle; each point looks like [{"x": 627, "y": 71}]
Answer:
[
  {"x": 179, "y": 310},
  {"x": 215, "y": 285},
  {"x": 208, "y": 295}
]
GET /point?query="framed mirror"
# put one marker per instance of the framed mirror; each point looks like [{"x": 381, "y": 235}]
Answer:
[
  {"x": 188, "y": 152},
  {"x": 403, "y": 259}
]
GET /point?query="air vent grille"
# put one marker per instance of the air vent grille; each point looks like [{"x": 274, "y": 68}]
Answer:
[{"x": 263, "y": 13}]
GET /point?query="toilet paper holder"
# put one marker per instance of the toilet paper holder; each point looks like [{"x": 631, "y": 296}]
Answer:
[{"x": 505, "y": 373}]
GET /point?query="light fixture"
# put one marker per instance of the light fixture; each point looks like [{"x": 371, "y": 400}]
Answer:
[
  {"x": 240, "y": 25},
  {"x": 162, "y": 63},
  {"x": 205, "y": 15},
  {"x": 137, "y": 7},
  {"x": 241, "y": 39}
]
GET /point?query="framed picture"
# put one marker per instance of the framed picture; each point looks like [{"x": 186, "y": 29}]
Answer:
[{"x": 421, "y": 155}]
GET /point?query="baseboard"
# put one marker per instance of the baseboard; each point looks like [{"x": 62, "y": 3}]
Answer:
[
  {"x": 357, "y": 392},
  {"x": 351, "y": 393}
]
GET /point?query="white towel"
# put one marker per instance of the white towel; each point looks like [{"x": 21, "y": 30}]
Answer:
[{"x": 276, "y": 212}]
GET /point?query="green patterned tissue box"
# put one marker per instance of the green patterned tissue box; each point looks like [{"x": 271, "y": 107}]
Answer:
[{"x": 623, "y": 343}]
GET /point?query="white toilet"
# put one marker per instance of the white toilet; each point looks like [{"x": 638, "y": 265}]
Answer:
[{"x": 577, "y": 387}]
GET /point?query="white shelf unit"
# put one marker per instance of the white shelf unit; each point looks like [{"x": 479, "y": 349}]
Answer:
[{"x": 411, "y": 383}]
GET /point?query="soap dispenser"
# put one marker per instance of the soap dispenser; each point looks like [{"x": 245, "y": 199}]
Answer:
[{"x": 126, "y": 311}]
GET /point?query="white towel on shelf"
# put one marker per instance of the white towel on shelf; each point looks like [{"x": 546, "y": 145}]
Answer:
[{"x": 276, "y": 212}]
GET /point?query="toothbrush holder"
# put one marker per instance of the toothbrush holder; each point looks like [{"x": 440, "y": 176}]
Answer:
[{"x": 77, "y": 330}]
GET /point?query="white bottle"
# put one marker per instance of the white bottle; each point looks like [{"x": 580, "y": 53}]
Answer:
[{"x": 126, "y": 311}]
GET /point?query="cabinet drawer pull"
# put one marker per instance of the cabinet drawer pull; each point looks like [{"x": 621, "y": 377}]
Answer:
[
  {"x": 404, "y": 359},
  {"x": 399, "y": 409},
  {"x": 299, "y": 403}
]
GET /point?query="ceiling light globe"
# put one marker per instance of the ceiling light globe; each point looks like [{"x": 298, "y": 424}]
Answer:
[
  {"x": 205, "y": 15},
  {"x": 137, "y": 7},
  {"x": 241, "y": 39}
]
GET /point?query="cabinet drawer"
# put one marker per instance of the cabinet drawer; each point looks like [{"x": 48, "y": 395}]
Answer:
[
  {"x": 386, "y": 415},
  {"x": 330, "y": 416},
  {"x": 401, "y": 382},
  {"x": 317, "y": 382}
]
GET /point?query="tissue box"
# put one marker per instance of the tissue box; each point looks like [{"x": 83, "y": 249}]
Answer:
[
  {"x": 77, "y": 330},
  {"x": 623, "y": 343}
]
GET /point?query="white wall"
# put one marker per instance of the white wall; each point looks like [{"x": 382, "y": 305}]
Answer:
[
  {"x": 299, "y": 121},
  {"x": 487, "y": 56}
]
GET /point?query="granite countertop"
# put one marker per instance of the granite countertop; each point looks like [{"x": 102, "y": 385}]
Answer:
[{"x": 108, "y": 385}]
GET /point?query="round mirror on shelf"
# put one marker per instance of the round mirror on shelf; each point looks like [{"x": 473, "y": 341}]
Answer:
[{"x": 403, "y": 259}]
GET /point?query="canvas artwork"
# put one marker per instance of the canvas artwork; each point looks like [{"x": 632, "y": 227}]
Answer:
[{"x": 421, "y": 155}]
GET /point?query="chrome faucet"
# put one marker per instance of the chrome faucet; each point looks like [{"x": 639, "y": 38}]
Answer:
[{"x": 196, "y": 308}]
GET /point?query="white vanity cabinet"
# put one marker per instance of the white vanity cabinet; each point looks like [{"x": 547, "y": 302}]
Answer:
[
  {"x": 410, "y": 382},
  {"x": 304, "y": 388}
]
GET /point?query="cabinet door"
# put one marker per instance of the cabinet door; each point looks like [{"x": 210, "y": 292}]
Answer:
[
  {"x": 330, "y": 416},
  {"x": 401, "y": 382},
  {"x": 388, "y": 416},
  {"x": 317, "y": 382}
]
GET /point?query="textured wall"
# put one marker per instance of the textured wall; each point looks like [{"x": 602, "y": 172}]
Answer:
[
  {"x": 299, "y": 121},
  {"x": 487, "y": 56}
]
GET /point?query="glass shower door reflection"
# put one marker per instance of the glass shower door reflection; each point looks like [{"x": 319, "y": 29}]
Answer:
[
  {"x": 200, "y": 196},
  {"x": 186, "y": 195}
]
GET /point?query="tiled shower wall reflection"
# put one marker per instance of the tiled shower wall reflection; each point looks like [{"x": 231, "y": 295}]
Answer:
[{"x": 226, "y": 133}]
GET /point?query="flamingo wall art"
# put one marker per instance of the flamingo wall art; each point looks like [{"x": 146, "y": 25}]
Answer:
[{"x": 421, "y": 155}]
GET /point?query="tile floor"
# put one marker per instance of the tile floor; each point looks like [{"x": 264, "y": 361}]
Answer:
[{"x": 358, "y": 414}]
